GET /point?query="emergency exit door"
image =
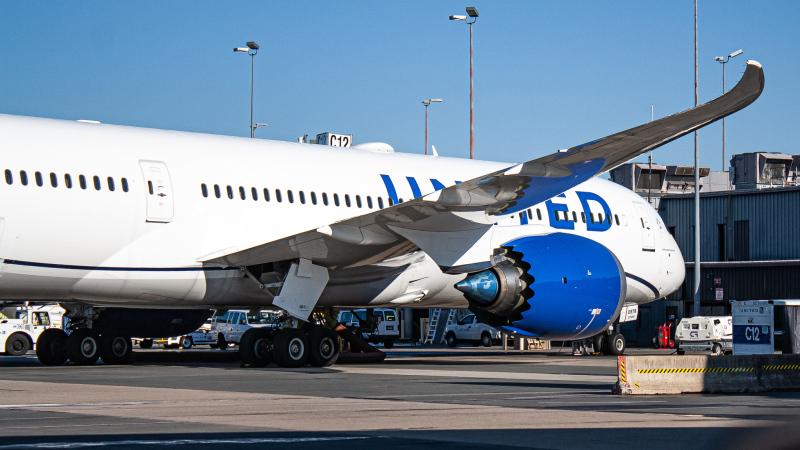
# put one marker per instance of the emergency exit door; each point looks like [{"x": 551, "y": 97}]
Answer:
[
  {"x": 158, "y": 189},
  {"x": 648, "y": 235}
]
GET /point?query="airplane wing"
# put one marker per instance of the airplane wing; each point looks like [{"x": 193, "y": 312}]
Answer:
[{"x": 448, "y": 223}]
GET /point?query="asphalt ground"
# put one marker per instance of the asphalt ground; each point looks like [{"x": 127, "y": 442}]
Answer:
[{"x": 417, "y": 398}]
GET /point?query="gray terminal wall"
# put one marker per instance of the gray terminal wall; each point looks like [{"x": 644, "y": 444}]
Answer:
[{"x": 741, "y": 225}]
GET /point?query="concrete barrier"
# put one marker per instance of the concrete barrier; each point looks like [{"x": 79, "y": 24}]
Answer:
[{"x": 692, "y": 374}]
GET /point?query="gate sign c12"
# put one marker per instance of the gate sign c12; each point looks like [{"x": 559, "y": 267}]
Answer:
[{"x": 753, "y": 321}]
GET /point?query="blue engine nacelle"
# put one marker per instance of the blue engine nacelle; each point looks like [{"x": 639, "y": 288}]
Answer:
[{"x": 556, "y": 286}]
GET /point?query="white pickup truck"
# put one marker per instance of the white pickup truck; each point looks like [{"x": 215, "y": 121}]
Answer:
[
  {"x": 19, "y": 335},
  {"x": 705, "y": 333},
  {"x": 470, "y": 330}
]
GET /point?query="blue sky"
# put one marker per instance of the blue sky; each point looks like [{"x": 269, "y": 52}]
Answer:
[{"x": 548, "y": 75}]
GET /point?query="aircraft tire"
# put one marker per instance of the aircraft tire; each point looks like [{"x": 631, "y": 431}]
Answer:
[
  {"x": 83, "y": 346},
  {"x": 290, "y": 348},
  {"x": 115, "y": 349},
  {"x": 17, "y": 344},
  {"x": 323, "y": 346},
  {"x": 255, "y": 347},
  {"x": 616, "y": 344},
  {"x": 51, "y": 347},
  {"x": 599, "y": 342}
]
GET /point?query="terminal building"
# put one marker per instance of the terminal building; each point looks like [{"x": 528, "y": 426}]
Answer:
[{"x": 749, "y": 223}]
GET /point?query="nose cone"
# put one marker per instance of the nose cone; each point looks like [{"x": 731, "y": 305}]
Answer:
[{"x": 482, "y": 287}]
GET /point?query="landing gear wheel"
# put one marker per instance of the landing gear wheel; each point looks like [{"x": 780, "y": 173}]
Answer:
[
  {"x": 323, "y": 346},
  {"x": 388, "y": 344},
  {"x": 290, "y": 348},
  {"x": 17, "y": 345},
  {"x": 616, "y": 344},
  {"x": 186, "y": 342},
  {"x": 51, "y": 347},
  {"x": 222, "y": 344},
  {"x": 83, "y": 346},
  {"x": 598, "y": 343},
  {"x": 716, "y": 350},
  {"x": 146, "y": 343},
  {"x": 115, "y": 349},
  {"x": 451, "y": 340},
  {"x": 255, "y": 347},
  {"x": 486, "y": 340}
]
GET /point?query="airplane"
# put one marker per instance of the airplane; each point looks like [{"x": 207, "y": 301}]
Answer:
[{"x": 141, "y": 232}]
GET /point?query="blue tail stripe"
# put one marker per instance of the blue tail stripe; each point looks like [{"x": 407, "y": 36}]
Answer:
[
  {"x": 436, "y": 184},
  {"x": 414, "y": 187},
  {"x": 390, "y": 187}
]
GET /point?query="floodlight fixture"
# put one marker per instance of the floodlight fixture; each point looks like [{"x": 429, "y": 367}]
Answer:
[
  {"x": 736, "y": 53},
  {"x": 252, "y": 45},
  {"x": 458, "y": 17},
  {"x": 472, "y": 11},
  {"x": 241, "y": 49},
  {"x": 719, "y": 58}
]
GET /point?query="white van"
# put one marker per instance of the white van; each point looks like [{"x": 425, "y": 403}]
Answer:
[
  {"x": 387, "y": 329},
  {"x": 705, "y": 333},
  {"x": 230, "y": 327}
]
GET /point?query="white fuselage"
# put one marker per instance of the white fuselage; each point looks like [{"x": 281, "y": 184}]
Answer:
[{"x": 145, "y": 247}]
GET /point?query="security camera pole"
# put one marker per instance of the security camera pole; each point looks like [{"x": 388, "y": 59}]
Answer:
[
  {"x": 251, "y": 49},
  {"x": 472, "y": 12},
  {"x": 428, "y": 103},
  {"x": 724, "y": 61}
]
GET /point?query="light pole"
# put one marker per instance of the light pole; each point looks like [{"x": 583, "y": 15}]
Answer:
[
  {"x": 428, "y": 103},
  {"x": 472, "y": 12},
  {"x": 724, "y": 61},
  {"x": 251, "y": 49}
]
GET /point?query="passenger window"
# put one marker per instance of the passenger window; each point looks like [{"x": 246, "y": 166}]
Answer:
[
  {"x": 539, "y": 213},
  {"x": 96, "y": 180},
  {"x": 574, "y": 216},
  {"x": 302, "y": 197},
  {"x": 203, "y": 189},
  {"x": 39, "y": 181},
  {"x": 616, "y": 219},
  {"x": 254, "y": 193},
  {"x": 230, "y": 192},
  {"x": 216, "y": 191},
  {"x": 325, "y": 199},
  {"x": 242, "y": 194},
  {"x": 369, "y": 202},
  {"x": 642, "y": 220},
  {"x": 556, "y": 216},
  {"x": 82, "y": 181},
  {"x": 336, "y": 199},
  {"x": 347, "y": 200},
  {"x": 591, "y": 216},
  {"x": 124, "y": 184},
  {"x": 358, "y": 201},
  {"x": 380, "y": 203},
  {"x": 290, "y": 196},
  {"x": 9, "y": 178},
  {"x": 149, "y": 186},
  {"x": 391, "y": 201},
  {"x": 530, "y": 215},
  {"x": 110, "y": 184},
  {"x": 600, "y": 217},
  {"x": 608, "y": 218},
  {"x": 583, "y": 217},
  {"x": 266, "y": 194},
  {"x": 23, "y": 177},
  {"x": 278, "y": 195},
  {"x": 313, "y": 198},
  {"x": 67, "y": 181}
]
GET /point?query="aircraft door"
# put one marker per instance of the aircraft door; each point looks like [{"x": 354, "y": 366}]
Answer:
[
  {"x": 648, "y": 235},
  {"x": 158, "y": 188}
]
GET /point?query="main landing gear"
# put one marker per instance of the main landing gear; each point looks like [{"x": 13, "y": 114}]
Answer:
[
  {"x": 82, "y": 347},
  {"x": 289, "y": 347}
]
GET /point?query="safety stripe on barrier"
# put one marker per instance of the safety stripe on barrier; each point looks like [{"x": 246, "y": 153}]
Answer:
[
  {"x": 699, "y": 370},
  {"x": 622, "y": 370},
  {"x": 720, "y": 369}
]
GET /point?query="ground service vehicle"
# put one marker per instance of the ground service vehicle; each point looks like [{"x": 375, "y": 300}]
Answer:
[
  {"x": 19, "y": 335},
  {"x": 381, "y": 326},
  {"x": 169, "y": 226},
  {"x": 470, "y": 330},
  {"x": 705, "y": 333},
  {"x": 231, "y": 325}
]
